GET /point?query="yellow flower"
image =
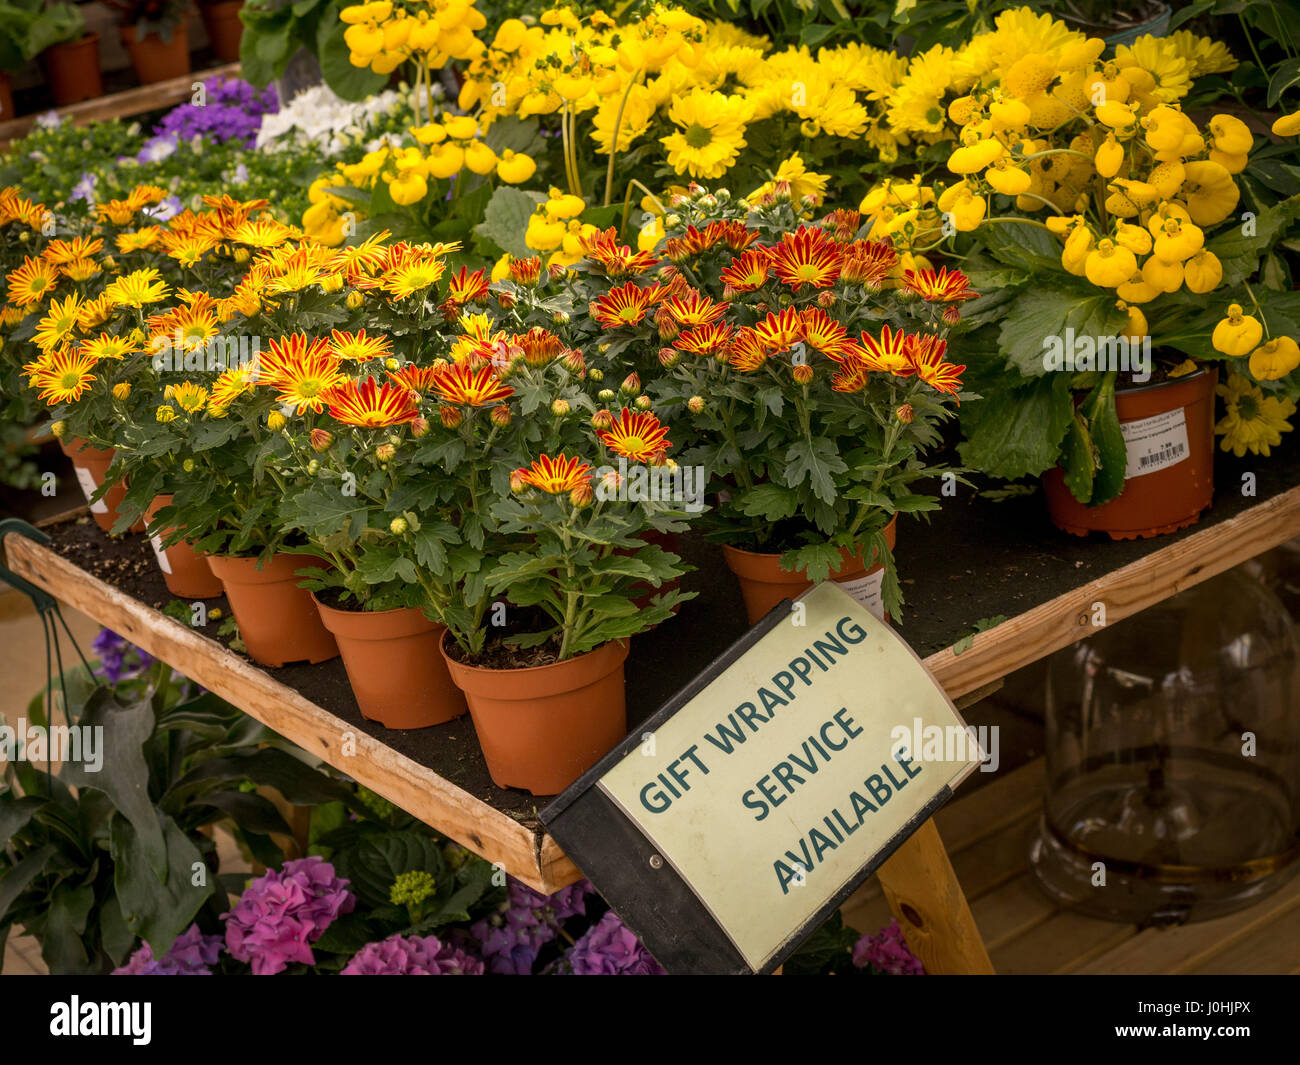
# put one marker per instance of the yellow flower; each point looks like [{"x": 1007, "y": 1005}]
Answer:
[
  {"x": 1109, "y": 157},
  {"x": 1274, "y": 358},
  {"x": 1210, "y": 193},
  {"x": 165, "y": 414},
  {"x": 710, "y": 132},
  {"x": 1135, "y": 238},
  {"x": 1178, "y": 241},
  {"x": 407, "y": 188},
  {"x": 1254, "y": 422},
  {"x": 1287, "y": 125},
  {"x": 1109, "y": 264},
  {"x": 1007, "y": 179},
  {"x": 479, "y": 158},
  {"x": 460, "y": 127},
  {"x": 1203, "y": 272},
  {"x": 122, "y": 390},
  {"x": 563, "y": 204},
  {"x": 446, "y": 160},
  {"x": 501, "y": 268},
  {"x": 514, "y": 168},
  {"x": 975, "y": 155},
  {"x": 1237, "y": 334},
  {"x": 544, "y": 234},
  {"x": 275, "y": 421},
  {"x": 965, "y": 209},
  {"x": 1136, "y": 326},
  {"x": 1230, "y": 135},
  {"x": 1165, "y": 276}
]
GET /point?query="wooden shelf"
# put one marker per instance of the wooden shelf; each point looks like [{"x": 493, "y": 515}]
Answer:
[
  {"x": 501, "y": 826},
  {"x": 122, "y": 104}
]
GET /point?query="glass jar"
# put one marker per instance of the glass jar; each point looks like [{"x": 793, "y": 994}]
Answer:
[{"x": 1173, "y": 759}]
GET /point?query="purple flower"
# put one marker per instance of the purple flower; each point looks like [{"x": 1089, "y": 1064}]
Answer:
[
  {"x": 608, "y": 948},
  {"x": 412, "y": 956},
  {"x": 119, "y": 659},
  {"x": 281, "y": 913},
  {"x": 511, "y": 939},
  {"x": 85, "y": 188},
  {"x": 887, "y": 952},
  {"x": 232, "y": 111},
  {"x": 191, "y": 954}
]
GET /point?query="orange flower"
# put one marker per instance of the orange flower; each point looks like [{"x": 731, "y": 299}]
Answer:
[
  {"x": 748, "y": 352},
  {"x": 747, "y": 271},
  {"x": 556, "y": 476},
  {"x": 778, "y": 332},
  {"x": 691, "y": 308},
  {"x": 63, "y": 377},
  {"x": 301, "y": 370},
  {"x": 888, "y": 353},
  {"x": 416, "y": 378},
  {"x": 824, "y": 333},
  {"x": 926, "y": 356},
  {"x": 692, "y": 242},
  {"x": 940, "y": 286},
  {"x": 358, "y": 346},
  {"x": 734, "y": 234},
  {"x": 617, "y": 259},
  {"x": 539, "y": 346},
  {"x": 808, "y": 257},
  {"x": 868, "y": 262},
  {"x": 706, "y": 340},
  {"x": 474, "y": 388},
  {"x": 637, "y": 435},
  {"x": 851, "y": 377},
  {"x": 625, "y": 305},
  {"x": 66, "y": 251},
  {"x": 525, "y": 271},
  {"x": 32, "y": 282},
  {"x": 369, "y": 405},
  {"x": 465, "y": 287}
]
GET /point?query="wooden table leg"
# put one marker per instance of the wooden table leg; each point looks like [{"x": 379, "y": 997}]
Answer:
[{"x": 922, "y": 889}]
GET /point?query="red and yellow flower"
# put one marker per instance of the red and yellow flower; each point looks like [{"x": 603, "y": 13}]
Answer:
[
  {"x": 459, "y": 384},
  {"x": 555, "y": 476},
  {"x": 636, "y": 435},
  {"x": 370, "y": 405},
  {"x": 625, "y": 305},
  {"x": 301, "y": 370},
  {"x": 807, "y": 257}
]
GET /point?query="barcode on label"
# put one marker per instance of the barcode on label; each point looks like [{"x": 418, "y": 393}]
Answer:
[{"x": 1155, "y": 443}]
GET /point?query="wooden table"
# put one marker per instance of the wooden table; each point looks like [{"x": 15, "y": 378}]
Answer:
[{"x": 1064, "y": 585}]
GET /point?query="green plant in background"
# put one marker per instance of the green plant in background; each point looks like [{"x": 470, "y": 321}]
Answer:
[
  {"x": 148, "y": 17},
  {"x": 28, "y": 27},
  {"x": 98, "y": 855},
  {"x": 275, "y": 32}
]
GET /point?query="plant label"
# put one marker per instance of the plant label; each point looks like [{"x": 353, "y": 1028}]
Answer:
[
  {"x": 88, "y": 485},
  {"x": 777, "y": 784}
]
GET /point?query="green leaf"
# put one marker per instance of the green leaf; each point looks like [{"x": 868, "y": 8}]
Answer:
[
  {"x": 815, "y": 461},
  {"x": 16, "y": 878},
  {"x": 156, "y": 910},
  {"x": 1042, "y": 313},
  {"x": 1240, "y": 253},
  {"x": 1077, "y": 458},
  {"x": 61, "y": 944},
  {"x": 768, "y": 501},
  {"x": 1017, "y": 432},
  {"x": 506, "y": 219},
  {"x": 344, "y": 79},
  {"x": 1103, "y": 427}
]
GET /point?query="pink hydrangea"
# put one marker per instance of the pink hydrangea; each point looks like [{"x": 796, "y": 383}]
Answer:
[
  {"x": 281, "y": 913},
  {"x": 412, "y": 956},
  {"x": 887, "y": 952}
]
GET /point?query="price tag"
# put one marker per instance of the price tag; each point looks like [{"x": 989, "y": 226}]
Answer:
[{"x": 1155, "y": 443}]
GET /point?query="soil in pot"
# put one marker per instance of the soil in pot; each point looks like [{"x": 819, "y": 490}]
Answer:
[
  {"x": 277, "y": 620},
  {"x": 763, "y": 583},
  {"x": 1169, "y": 480},
  {"x": 186, "y": 573},
  {"x": 542, "y": 726},
  {"x": 72, "y": 70},
  {"x": 155, "y": 59},
  {"x": 90, "y": 465},
  {"x": 224, "y": 28},
  {"x": 394, "y": 664}
]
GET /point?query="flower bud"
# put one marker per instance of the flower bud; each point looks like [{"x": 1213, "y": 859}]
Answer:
[
  {"x": 802, "y": 374},
  {"x": 596, "y": 375},
  {"x": 57, "y": 429},
  {"x": 574, "y": 362},
  {"x": 631, "y": 385},
  {"x": 762, "y": 307},
  {"x": 695, "y": 404},
  {"x": 385, "y": 452},
  {"x": 275, "y": 421},
  {"x": 560, "y": 318},
  {"x": 188, "y": 465},
  {"x": 952, "y": 314},
  {"x": 606, "y": 394},
  {"x": 560, "y": 408},
  {"x": 641, "y": 403},
  {"x": 669, "y": 357},
  {"x": 313, "y": 468},
  {"x": 825, "y": 300},
  {"x": 582, "y": 495},
  {"x": 659, "y": 458},
  {"x": 672, "y": 221},
  {"x": 391, "y": 364},
  {"x": 668, "y": 328},
  {"x": 122, "y": 390},
  {"x": 602, "y": 419},
  {"x": 397, "y": 526},
  {"x": 611, "y": 482},
  {"x": 320, "y": 440},
  {"x": 505, "y": 301},
  {"x": 500, "y": 416},
  {"x": 723, "y": 195},
  {"x": 451, "y": 416},
  {"x": 355, "y": 299},
  {"x": 905, "y": 414},
  {"x": 419, "y": 427},
  {"x": 517, "y": 482}
]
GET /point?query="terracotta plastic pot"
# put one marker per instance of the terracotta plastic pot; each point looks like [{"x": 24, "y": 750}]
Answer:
[
  {"x": 155, "y": 59},
  {"x": 277, "y": 619},
  {"x": 542, "y": 727},
  {"x": 1168, "y": 428},
  {"x": 72, "y": 70},
  {"x": 186, "y": 572},
  {"x": 224, "y": 28},
  {"x": 763, "y": 583},
  {"x": 395, "y": 665},
  {"x": 90, "y": 464}
]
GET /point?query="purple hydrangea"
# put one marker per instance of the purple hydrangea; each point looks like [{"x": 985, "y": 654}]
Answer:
[
  {"x": 232, "y": 111},
  {"x": 282, "y": 912},
  {"x": 191, "y": 954},
  {"x": 511, "y": 939},
  {"x": 608, "y": 948},
  {"x": 119, "y": 659},
  {"x": 412, "y": 956},
  {"x": 887, "y": 952}
]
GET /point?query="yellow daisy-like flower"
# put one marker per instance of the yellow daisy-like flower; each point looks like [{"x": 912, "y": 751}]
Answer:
[
  {"x": 109, "y": 347},
  {"x": 164, "y": 414},
  {"x": 187, "y": 395},
  {"x": 81, "y": 269},
  {"x": 94, "y": 313},
  {"x": 1254, "y": 422},
  {"x": 1202, "y": 55},
  {"x": 137, "y": 288},
  {"x": 229, "y": 386},
  {"x": 1155, "y": 69},
  {"x": 58, "y": 326},
  {"x": 32, "y": 282},
  {"x": 410, "y": 278},
  {"x": 139, "y": 239},
  {"x": 711, "y": 133},
  {"x": 66, "y": 251},
  {"x": 64, "y": 377}
]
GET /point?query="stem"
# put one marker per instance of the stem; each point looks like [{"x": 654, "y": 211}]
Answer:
[{"x": 613, "y": 144}]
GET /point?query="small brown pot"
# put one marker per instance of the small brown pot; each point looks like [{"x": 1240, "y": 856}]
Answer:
[
  {"x": 1173, "y": 495},
  {"x": 186, "y": 572},
  {"x": 395, "y": 665},
  {"x": 90, "y": 464},
  {"x": 542, "y": 727},
  {"x": 224, "y": 27},
  {"x": 72, "y": 70},
  {"x": 155, "y": 59},
  {"x": 763, "y": 583},
  {"x": 277, "y": 619}
]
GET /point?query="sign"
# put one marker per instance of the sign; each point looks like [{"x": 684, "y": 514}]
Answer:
[{"x": 736, "y": 820}]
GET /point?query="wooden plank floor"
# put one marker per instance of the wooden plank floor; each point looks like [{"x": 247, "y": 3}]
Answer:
[{"x": 987, "y": 835}]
